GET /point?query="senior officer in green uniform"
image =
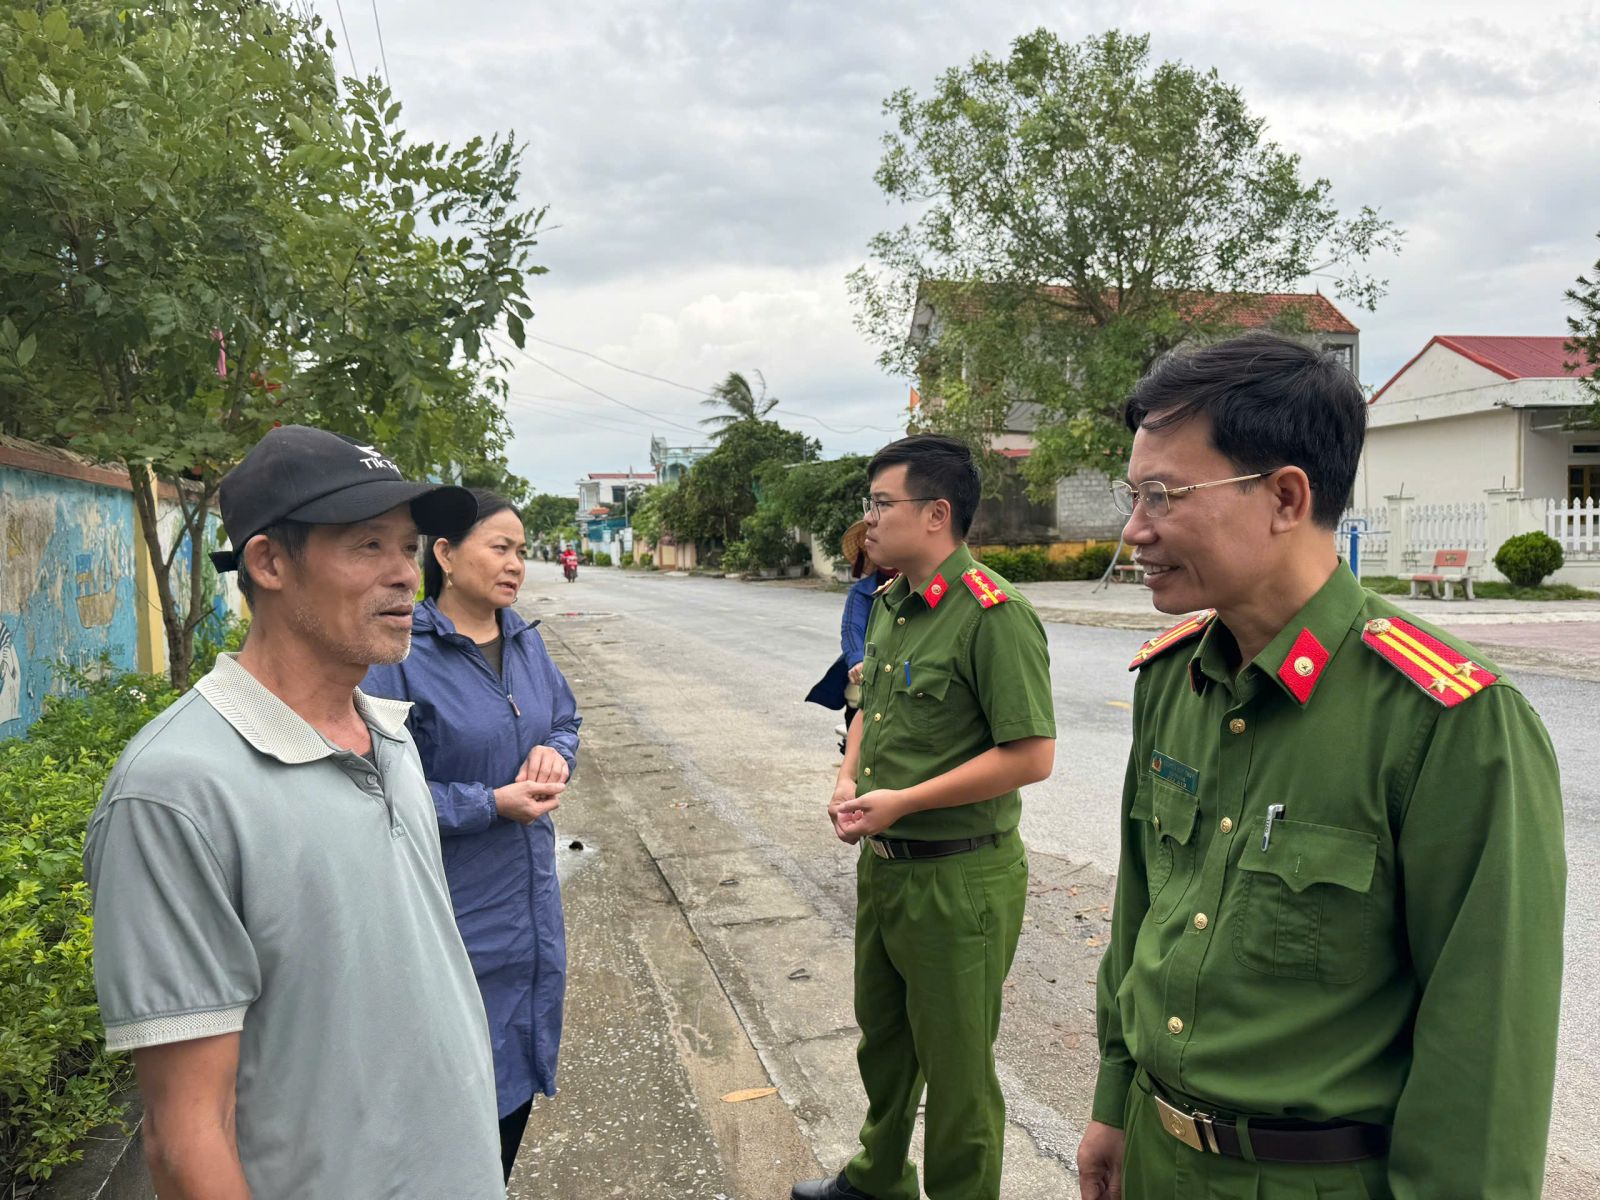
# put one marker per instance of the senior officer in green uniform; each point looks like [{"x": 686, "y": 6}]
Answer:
[
  {"x": 1335, "y": 964},
  {"x": 956, "y": 715}
]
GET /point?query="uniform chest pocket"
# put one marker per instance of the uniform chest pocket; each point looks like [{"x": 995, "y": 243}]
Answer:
[
  {"x": 1304, "y": 905},
  {"x": 1168, "y": 817},
  {"x": 924, "y": 698}
]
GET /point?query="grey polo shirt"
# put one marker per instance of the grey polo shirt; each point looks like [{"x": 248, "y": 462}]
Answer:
[{"x": 250, "y": 876}]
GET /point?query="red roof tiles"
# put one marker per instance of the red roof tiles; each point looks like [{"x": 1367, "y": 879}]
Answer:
[{"x": 1508, "y": 357}]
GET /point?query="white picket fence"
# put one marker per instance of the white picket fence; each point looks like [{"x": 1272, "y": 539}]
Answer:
[
  {"x": 1403, "y": 536},
  {"x": 1429, "y": 528},
  {"x": 1576, "y": 525},
  {"x": 1374, "y": 545},
  {"x": 1446, "y": 527}
]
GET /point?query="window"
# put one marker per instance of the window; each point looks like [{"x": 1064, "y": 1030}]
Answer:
[
  {"x": 1340, "y": 353},
  {"x": 1583, "y": 483}
]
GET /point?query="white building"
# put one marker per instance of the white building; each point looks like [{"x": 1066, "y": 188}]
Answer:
[{"x": 1472, "y": 414}]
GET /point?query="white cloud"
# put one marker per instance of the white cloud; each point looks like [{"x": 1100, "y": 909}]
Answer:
[{"x": 708, "y": 167}]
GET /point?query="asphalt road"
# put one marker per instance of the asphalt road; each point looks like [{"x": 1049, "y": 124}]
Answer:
[{"x": 720, "y": 668}]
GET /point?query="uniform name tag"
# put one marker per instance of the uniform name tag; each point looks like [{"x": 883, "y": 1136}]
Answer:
[{"x": 1179, "y": 775}]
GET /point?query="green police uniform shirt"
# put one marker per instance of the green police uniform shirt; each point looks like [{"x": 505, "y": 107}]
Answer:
[
  {"x": 950, "y": 672},
  {"x": 1391, "y": 952}
]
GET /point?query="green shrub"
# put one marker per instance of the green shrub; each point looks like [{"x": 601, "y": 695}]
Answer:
[
  {"x": 1528, "y": 558},
  {"x": 1029, "y": 564},
  {"x": 1093, "y": 562},
  {"x": 599, "y": 558},
  {"x": 765, "y": 542},
  {"x": 56, "y": 1081}
]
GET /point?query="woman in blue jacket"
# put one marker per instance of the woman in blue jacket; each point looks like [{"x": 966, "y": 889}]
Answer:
[
  {"x": 841, "y": 686},
  {"x": 497, "y": 728}
]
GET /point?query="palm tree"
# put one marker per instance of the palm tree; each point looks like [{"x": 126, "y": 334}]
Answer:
[{"x": 740, "y": 401}]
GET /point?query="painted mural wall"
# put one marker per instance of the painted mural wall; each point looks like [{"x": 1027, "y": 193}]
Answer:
[
  {"x": 76, "y": 587},
  {"x": 66, "y": 587}
]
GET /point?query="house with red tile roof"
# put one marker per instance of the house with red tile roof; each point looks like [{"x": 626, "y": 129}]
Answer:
[
  {"x": 1470, "y": 414},
  {"x": 1082, "y": 508}
]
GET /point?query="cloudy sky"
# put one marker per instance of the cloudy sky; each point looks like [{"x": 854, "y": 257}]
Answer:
[{"x": 708, "y": 170}]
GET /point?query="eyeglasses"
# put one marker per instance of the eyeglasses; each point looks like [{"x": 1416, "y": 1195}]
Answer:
[
  {"x": 874, "y": 508},
  {"x": 1157, "y": 497}
]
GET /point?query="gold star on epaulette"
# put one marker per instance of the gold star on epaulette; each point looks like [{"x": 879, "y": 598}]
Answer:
[
  {"x": 1439, "y": 684},
  {"x": 1467, "y": 668}
]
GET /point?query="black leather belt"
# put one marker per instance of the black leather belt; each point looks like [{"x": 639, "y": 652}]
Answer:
[
  {"x": 908, "y": 848},
  {"x": 1271, "y": 1140}
]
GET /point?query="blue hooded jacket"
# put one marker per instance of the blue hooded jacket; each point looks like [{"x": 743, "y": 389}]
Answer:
[{"x": 474, "y": 730}]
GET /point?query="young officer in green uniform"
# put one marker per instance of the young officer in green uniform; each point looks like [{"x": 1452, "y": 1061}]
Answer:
[
  {"x": 1335, "y": 965},
  {"x": 956, "y": 715}
]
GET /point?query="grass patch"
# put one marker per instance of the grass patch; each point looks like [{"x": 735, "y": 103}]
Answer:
[{"x": 1486, "y": 589}]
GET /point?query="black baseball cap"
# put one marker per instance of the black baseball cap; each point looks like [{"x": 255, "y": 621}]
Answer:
[{"x": 297, "y": 473}]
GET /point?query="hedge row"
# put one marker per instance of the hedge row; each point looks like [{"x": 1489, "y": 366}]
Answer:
[
  {"x": 1033, "y": 565},
  {"x": 56, "y": 1081}
]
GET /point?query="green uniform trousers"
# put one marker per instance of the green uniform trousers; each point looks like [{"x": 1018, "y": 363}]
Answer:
[
  {"x": 934, "y": 942},
  {"x": 1157, "y": 1166}
]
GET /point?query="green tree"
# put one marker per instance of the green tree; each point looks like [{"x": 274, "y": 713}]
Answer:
[
  {"x": 544, "y": 513},
  {"x": 714, "y": 497},
  {"x": 647, "y": 519},
  {"x": 1584, "y": 344},
  {"x": 822, "y": 498},
  {"x": 202, "y": 236},
  {"x": 735, "y": 395},
  {"x": 1083, "y": 210}
]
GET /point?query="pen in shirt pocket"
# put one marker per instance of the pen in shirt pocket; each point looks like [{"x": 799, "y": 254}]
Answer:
[{"x": 908, "y": 672}]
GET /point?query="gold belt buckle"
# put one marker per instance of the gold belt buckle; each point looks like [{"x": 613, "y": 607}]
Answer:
[
  {"x": 1192, "y": 1129},
  {"x": 879, "y": 848}
]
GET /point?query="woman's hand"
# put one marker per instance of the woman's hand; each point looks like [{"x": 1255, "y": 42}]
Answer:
[
  {"x": 855, "y": 673},
  {"x": 544, "y": 765},
  {"x": 525, "y": 801}
]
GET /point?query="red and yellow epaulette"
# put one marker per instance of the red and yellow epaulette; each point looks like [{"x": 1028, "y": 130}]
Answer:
[
  {"x": 1185, "y": 630},
  {"x": 985, "y": 589},
  {"x": 1444, "y": 673}
]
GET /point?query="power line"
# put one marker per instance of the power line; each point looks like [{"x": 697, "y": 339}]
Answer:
[
  {"x": 602, "y": 421},
  {"x": 349, "y": 46},
  {"x": 383, "y": 55},
  {"x": 793, "y": 412},
  {"x": 618, "y": 366},
  {"x": 603, "y": 395}
]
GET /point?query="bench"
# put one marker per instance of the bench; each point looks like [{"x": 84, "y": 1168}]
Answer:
[
  {"x": 1450, "y": 567},
  {"x": 1128, "y": 573}
]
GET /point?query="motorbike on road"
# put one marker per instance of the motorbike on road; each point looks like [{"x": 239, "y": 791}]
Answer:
[{"x": 570, "y": 569}]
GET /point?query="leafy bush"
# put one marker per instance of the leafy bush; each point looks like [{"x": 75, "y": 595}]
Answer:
[
  {"x": 765, "y": 541},
  {"x": 599, "y": 558},
  {"x": 56, "y": 1081},
  {"x": 821, "y": 497},
  {"x": 1030, "y": 564},
  {"x": 1093, "y": 562},
  {"x": 1529, "y": 557}
]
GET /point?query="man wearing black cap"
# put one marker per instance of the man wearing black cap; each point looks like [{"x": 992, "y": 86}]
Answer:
[{"x": 274, "y": 939}]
